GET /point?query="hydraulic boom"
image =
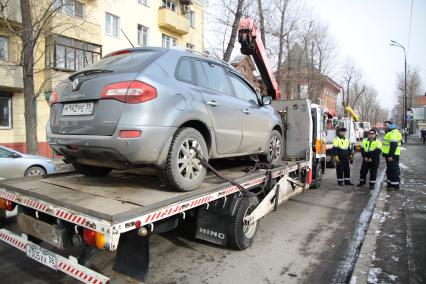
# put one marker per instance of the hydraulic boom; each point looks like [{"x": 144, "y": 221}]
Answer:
[{"x": 251, "y": 44}]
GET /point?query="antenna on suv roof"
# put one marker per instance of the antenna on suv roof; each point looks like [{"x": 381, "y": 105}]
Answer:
[{"x": 127, "y": 38}]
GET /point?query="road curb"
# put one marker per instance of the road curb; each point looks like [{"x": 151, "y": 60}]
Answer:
[{"x": 367, "y": 253}]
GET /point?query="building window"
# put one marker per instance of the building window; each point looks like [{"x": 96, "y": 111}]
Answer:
[
  {"x": 168, "y": 41},
  {"x": 70, "y": 7},
  {"x": 71, "y": 54},
  {"x": 5, "y": 111},
  {"x": 4, "y": 48},
  {"x": 189, "y": 47},
  {"x": 191, "y": 17},
  {"x": 170, "y": 5},
  {"x": 111, "y": 25},
  {"x": 143, "y": 2},
  {"x": 143, "y": 33}
]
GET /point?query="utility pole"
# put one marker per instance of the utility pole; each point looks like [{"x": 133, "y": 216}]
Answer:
[{"x": 404, "y": 116}]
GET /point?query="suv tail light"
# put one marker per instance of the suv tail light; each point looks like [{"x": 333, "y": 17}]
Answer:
[
  {"x": 54, "y": 98},
  {"x": 131, "y": 92}
]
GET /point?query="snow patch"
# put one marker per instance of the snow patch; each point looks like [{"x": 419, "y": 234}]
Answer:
[
  {"x": 404, "y": 167},
  {"x": 392, "y": 277},
  {"x": 395, "y": 258},
  {"x": 372, "y": 275}
]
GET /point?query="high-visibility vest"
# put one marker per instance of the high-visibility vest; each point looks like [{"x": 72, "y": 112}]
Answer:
[
  {"x": 392, "y": 136},
  {"x": 371, "y": 145},
  {"x": 341, "y": 143}
]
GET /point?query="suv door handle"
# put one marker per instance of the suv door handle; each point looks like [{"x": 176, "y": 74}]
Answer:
[
  {"x": 212, "y": 103},
  {"x": 246, "y": 111}
]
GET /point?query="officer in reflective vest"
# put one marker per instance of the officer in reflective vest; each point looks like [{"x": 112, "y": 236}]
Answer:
[
  {"x": 371, "y": 148},
  {"x": 391, "y": 149},
  {"x": 343, "y": 155}
]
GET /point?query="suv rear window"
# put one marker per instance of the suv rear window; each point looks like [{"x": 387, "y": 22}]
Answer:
[{"x": 127, "y": 62}]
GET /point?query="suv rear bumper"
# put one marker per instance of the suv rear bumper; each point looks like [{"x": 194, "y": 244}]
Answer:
[{"x": 112, "y": 151}]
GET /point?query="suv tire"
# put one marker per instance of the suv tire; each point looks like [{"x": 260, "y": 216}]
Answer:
[
  {"x": 182, "y": 170},
  {"x": 91, "y": 171},
  {"x": 274, "y": 150}
]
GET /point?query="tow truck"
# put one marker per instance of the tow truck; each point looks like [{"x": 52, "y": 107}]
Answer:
[{"x": 65, "y": 219}]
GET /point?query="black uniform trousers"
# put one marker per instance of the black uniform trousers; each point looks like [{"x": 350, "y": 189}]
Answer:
[
  {"x": 392, "y": 171},
  {"x": 343, "y": 170},
  {"x": 369, "y": 167}
]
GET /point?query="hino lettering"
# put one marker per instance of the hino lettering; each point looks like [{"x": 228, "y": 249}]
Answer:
[{"x": 212, "y": 233}]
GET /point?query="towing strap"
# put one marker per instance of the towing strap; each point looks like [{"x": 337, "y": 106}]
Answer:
[{"x": 205, "y": 163}]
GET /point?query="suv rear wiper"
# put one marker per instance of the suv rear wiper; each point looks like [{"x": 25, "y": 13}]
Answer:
[{"x": 88, "y": 72}]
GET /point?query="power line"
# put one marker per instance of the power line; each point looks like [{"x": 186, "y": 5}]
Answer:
[{"x": 409, "y": 28}]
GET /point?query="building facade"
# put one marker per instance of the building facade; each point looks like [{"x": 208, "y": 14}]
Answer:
[{"x": 77, "y": 35}]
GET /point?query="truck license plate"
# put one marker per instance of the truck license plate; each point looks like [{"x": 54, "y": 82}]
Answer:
[
  {"x": 41, "y": 256},
  {"x": 78, "y": 109}
]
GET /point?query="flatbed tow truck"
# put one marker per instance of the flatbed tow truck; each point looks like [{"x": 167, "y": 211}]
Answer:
[{"x": 64, "y": 220}]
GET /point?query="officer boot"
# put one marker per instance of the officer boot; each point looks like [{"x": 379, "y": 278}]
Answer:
[
  {"x": 361, "y": 183},
  {"x": 340, "y": 183},
  {"x": 348, "y": 182}
]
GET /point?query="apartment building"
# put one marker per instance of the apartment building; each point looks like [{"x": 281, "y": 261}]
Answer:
[{"x": 80, "y": 34}]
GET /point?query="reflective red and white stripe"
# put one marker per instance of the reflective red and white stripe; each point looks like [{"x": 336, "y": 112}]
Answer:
[
  {"x": 7, "y": 195},
  {"x": 71, "y": 217},
  {"x": 80, "y": 274},
  {"x": 35, "y": 205},
  {"x": 13, "y": 241}
]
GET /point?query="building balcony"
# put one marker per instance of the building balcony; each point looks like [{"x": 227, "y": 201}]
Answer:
[
  {"x": 172, "y": 21},
  {"x": 11, "y": 75}
]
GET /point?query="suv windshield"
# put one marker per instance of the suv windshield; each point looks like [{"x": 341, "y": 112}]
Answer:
[{"x": 134, "y": 61}]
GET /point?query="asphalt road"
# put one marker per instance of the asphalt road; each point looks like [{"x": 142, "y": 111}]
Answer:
[{"x": 305, "y": 241}]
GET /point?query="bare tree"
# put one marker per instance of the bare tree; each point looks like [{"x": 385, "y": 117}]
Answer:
[
  {"x": 261, "y": 21},
  {"x": 231, "y": 43},
  {"x": 38, "y": 21},
  {"x": 414, "y": 87},
  {"x": 353, "y": 85}
]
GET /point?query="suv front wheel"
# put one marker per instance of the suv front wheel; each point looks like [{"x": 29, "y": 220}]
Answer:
[{"x": 183, "y": 170}]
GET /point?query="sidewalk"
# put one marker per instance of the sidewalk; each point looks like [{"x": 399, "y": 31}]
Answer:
[{"x": 394, "y": 250}]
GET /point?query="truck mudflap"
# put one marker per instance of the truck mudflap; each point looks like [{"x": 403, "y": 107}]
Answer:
[{"x": 52, "y": 260}]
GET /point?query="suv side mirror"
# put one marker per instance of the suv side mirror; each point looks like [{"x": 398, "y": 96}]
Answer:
[
  {"x": 16, "y": 155},
  {"x": 266, "y": 100}
]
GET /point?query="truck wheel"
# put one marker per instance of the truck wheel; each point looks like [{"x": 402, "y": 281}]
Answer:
[
  {"x": 241, "y": 236},
  {"x": 91, "y": 171},
  {"x": 318, "y": 176},
  {"x": 183, "y": 171},
  {"x": 332, "y": 163},
  {"x": 274, "y": 149}
]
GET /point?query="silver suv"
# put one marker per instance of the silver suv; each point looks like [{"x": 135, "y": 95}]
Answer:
[{"x": 159, "y": 107}]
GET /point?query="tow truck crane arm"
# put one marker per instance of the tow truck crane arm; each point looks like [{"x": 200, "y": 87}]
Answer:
[
  {"x": 353, "y": 114},
  {"x": 251, "y": 44}
]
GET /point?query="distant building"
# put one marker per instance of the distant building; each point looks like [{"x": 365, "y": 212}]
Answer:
[
  {"x": 244, "y": 64},
  {"x": 300, "y": 80}
]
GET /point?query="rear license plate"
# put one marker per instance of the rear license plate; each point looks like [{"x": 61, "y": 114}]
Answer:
[
  {"x": 41, "y": 256},
  {"x": 78, "y": 109}
]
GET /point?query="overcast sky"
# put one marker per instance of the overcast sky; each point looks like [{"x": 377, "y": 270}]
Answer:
[{"x": 363, "y": 29}]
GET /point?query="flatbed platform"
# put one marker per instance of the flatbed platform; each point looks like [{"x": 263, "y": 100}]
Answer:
[{"x": 124, "y": 195}]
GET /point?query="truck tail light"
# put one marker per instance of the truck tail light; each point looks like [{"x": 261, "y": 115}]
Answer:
[
  {"x": 54, "y": 98},
  {"x": 309, "y": 177},
  {"x": 131, "y": 92},
  {"x": 91, "y": 238},
  {"x": 6, "y": 204}
]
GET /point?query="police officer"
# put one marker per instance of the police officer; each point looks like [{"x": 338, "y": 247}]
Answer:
[
  {"x": 371, "y": 148},
  {"x": 343, "y": 155},
  {"x": 391, "y": 150}
]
